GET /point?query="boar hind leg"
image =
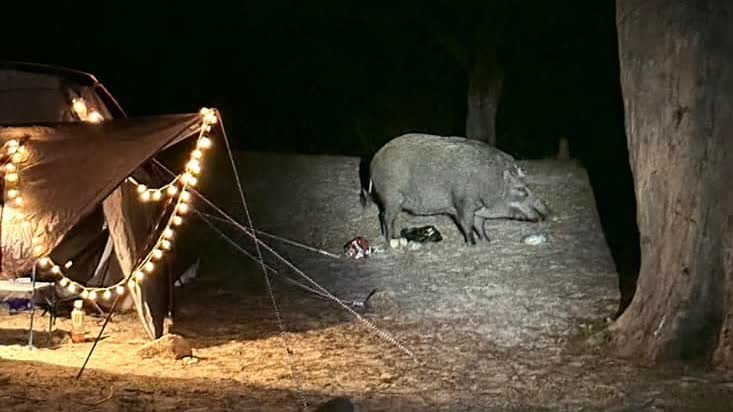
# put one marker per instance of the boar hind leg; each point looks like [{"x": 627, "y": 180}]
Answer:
[
  {"x": 465, "y": 220},
  {"x": 390, "y": 215}
]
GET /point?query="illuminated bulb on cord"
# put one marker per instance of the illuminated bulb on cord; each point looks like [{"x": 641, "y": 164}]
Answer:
[
  {"x": 177, "y": 220},
  {"x": 172, "y": 190},
  {"x": 120, "y": 290},
  {"x": 149, "y": 267},
  {"x": 210, "y": 118},
  {"x": 203, "y": 143},
  {"x": 71, "y": 288},
  {"x": 80, "y": 107},
  {"x": 55, "y": 269},
  {"x": 165, "y": 244},
  {"x": 157, "y": 195},
  {"x": 84, "y": 294},
  {"x": 19, "y": 201},
  {"x": 17, "y": 157},
  {"x": 157, "y": 253},
  {"x": 194, "y": 166},
  {"x": 13, "y": 142},
  {"x": 12, "y": 150},
  {"x": 95, "y": 117},
  {"x": 185, "y": 196},
  {"x": 43, "y": 262},
  {"x": 10, "y": 168},
  {"x": 107, "y": 294},
  {"x": 145, "y": 196},
  {"x": 168, "y": 233},
  {"x": 11, "y": 177},
  {"x": 197, "y": 154},
  {"x": 93, "y": 295},
  {"x": 63, "y": 282},
  {"x": 38, "y": 249},
  {"x": 22, "y": 150},
  {"x": 141, "y": 189},
  {"x": 183, "y": 208},
  {"x": 68, "y": 264},
  {"x": 131, "y": 282},
  {"x": 13, "y": 193}
]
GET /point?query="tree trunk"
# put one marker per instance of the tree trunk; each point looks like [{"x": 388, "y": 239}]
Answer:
[
  {"x": 485, "y": 79},
  {"x": 675, "y": 59}
]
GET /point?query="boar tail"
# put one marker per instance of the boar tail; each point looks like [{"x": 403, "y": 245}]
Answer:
[{"x": 365, "y": 195}]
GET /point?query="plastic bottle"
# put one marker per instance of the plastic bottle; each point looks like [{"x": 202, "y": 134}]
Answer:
[{"x": 77, "y": 322}]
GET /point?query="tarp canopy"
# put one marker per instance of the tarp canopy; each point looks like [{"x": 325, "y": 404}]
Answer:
[{"x": 70, "y": 169}]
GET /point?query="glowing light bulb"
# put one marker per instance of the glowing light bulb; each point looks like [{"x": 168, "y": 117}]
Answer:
[
  {"x": 107, "y": 294},
  {"x": 56, "y": 270},
  {"x": 204, "y": 111},
  {"x": 194, "y": 167},
  {"x": 204, "y": 143},
  {"x": 10, "y": 168},
  {"x": 19, "y": 201},
  {"x": 149, "y": 267},
  {"x": 172, "y": 190},
  {"x": 207, "y": 128},
  {"x": 63, "y": 282},
  {"x": 12, "y": 150},
  {"x": 141, "y": 189},
  {"x": 95, "y": 117},
  {"x": 120, "y": 290},
  {"x": 185, "y": 196},
  {"x": 44, "y": 261},
  {"x": 197, "y": 154},
  {"x": 80, "y": 107},
  {"x": 157, "y": 253},
  {"x": 157, "y": 195},
  {"x": 193, "y": 181},
  {"x": 71, "y": 288},
  {"x": 38, "y": 249},
  {"x": 22, "y": 150},
  {"x": 131, "y": 283},
  {"x": 210, "y": 118},
  {"x": 17, "y": 157},
  {"x": 11, "y": 177},
  {"x": 177, "y": 220},
  {"x": 13, "y": 193},
  {"x": 168, "y": 233},
  {"x": 13, "y": 143},
  {"x": 84, "y": 294},
  {"x": 165, "y": 244},
  {"x": 68, "y": 264},
  {"x": 183, "y": 208},
  {"x": 93, "y": 295},
  {"x": 145, "y": 197}
]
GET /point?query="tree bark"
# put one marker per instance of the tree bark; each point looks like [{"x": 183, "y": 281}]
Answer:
[
  {"x": 485, "y": 79},
  {"x": 675, "y": 59}
]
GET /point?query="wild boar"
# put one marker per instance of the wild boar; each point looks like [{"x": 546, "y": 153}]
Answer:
[{"x": 466, "y": 179}]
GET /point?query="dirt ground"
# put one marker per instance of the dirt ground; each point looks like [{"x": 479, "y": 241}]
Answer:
[{"x": 500, "y": 326}]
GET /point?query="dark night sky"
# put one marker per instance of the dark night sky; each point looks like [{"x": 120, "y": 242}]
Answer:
[{"x": 345, "y": 77}]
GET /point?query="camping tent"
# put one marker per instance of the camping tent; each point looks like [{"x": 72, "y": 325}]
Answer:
[{"x": 81, "y": 194}]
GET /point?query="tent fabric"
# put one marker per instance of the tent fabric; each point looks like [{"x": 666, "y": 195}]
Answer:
[{"x": 71, "y": 168}]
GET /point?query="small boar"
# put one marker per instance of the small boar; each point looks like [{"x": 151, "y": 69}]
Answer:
[{"x": 466, "y": 179}]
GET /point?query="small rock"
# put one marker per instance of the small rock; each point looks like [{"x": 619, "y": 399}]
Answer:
[
  {"x": 386, "y": 377},
  {"x": 167, "y": 347},
  {"x": 534, "y": 239},
  {"x": 190, "y": 360},
  {"x": 394, "y": 243},
  {"x": 383, "y": 302}
]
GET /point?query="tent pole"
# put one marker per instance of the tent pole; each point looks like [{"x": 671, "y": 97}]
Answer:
[
  {"x": 99, "y": 336},
  {"x": 33, "y": 305}
]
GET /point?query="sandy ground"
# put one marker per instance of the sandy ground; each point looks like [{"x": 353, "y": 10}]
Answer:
[{"x": 497, "y": 326}]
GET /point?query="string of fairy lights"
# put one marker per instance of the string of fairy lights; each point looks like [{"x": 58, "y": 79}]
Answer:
[{"x": 176, "y": 190}]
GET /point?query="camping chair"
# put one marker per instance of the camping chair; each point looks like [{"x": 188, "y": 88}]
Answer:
[{"x": 24, "y": 288}]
